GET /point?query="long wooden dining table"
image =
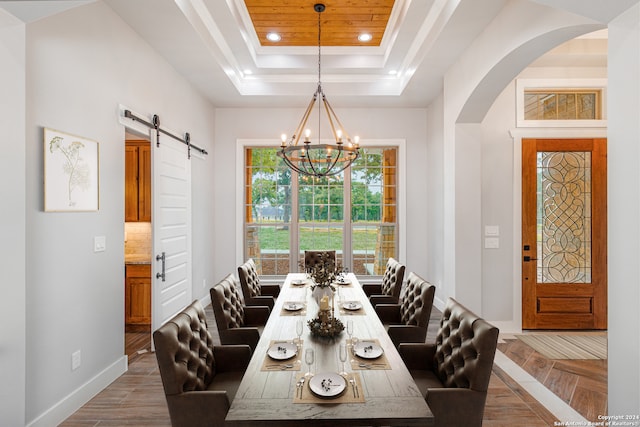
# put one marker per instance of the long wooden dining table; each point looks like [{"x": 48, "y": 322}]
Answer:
[{"x": 268, "y": 395}]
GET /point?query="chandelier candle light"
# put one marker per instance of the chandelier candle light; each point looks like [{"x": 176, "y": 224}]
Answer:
[{"x": 319, "y": 159}]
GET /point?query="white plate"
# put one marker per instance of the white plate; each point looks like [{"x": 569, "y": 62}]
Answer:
[
  {"x": 327, "y": 384},
  {"x": 293, "y": 306},
  {"x": 343, "y": 282},
  {"x": 367, "y": 350},
  {"x": 298, "y": 282},
  {"x": 352, "y": 305},
  {"x": 282, "y": 350}
]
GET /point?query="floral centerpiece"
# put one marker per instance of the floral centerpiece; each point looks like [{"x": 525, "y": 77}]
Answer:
[{"x": 325, "y": 329}]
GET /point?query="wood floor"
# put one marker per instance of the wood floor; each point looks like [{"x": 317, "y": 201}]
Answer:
[
  {"x": 580, "y": 383},
  {"x": 137, "y": 397}
]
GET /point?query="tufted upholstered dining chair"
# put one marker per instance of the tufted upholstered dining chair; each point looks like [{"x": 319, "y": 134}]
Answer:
[
  {"x": 200, "y": 380},
  {"x": 453, "y": 373},
  {"x": 407, "y": 321},
  {"x": 313, "y": 258},
  {"x": 237, "y": 323},
  {"x": 254, "y": 292},
  {"x": 388, "y": 291}
]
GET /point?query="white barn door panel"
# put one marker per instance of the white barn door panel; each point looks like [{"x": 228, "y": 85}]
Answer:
[{"x": 171, "y": 230}]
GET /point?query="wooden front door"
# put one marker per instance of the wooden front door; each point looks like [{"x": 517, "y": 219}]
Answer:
[{"x": 564, "y": 234}]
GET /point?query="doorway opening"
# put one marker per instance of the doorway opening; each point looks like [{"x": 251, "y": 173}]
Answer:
[{"x": 138, "y": 245}]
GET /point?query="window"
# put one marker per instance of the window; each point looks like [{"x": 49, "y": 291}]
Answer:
[
  {"x": 285, "y": 215},
  {"x": 561, "y": 102},
  {"x": 562, "y": 105}
]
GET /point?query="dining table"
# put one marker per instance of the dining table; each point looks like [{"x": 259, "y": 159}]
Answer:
[{"x": 284, "y": 386}]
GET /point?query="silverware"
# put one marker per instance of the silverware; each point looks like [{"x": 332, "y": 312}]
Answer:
[
  {"x": 301, "y": 381},
  {"x": 352, "y": 381},
  {"x": 281, "y": 367},
  {"x": 370, "y": 365}
]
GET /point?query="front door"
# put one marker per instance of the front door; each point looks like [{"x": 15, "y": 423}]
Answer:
[{"x": 564, "y": 234}]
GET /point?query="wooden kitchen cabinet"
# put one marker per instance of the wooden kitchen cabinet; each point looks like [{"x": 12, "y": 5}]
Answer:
[
  {"x": 137, "y": 297},
  {"x": 137, "y": 183}
]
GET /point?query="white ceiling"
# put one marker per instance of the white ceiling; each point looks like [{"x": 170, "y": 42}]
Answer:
[{"x": 212, "y": 43}]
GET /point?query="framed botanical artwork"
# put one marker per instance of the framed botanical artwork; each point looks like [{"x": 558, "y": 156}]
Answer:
[{"x": 71, "y": 173}]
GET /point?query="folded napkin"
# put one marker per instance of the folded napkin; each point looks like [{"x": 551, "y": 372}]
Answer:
[{"x": 348, "y": 396}]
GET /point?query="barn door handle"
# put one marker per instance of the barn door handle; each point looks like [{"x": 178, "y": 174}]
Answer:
[
  {"x": 160, "y": 258},
  {"x": 527, "y": 258}
]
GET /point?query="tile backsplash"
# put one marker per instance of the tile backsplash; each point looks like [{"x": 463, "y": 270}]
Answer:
[{"x": 137, "y": 241}]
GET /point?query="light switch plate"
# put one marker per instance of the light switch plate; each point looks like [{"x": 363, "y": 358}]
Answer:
[
  {"x": 491, "y": 243},
  {"x": 99, "y": 244},
  {"x": 491, "y": 230}
]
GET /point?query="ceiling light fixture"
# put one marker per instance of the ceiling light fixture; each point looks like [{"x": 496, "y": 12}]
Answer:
[
  {"x": 319, "y": 159},
  {"x": 365, "y": 37},
  {"x": 273, "y": 37}
]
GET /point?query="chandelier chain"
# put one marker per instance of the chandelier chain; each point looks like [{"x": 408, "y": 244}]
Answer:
[{"x": 321, "y": 159}]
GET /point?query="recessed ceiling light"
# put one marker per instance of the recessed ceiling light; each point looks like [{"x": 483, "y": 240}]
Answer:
[
  {"x": 365, "y": 37},
  {"x": 273, "y": 37},
  {"x": 248, "y": 72},
  {"x": 393, "y": 72}
]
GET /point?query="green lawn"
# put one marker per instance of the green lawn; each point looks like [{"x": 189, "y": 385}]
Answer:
[{"x": 272, "y": 238}]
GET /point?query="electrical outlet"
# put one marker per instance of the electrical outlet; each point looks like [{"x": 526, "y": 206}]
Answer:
[
  {"x": 204, "y": 283},
  {"x": 75, "y": 360}
]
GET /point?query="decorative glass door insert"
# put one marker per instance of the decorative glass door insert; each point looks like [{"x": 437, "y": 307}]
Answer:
[{"x": 564, "y": 217}]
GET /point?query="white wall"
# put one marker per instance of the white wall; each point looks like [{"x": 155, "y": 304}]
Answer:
[
  {"x": 624, "y": 212},
  {"x": 80, "y": 65},
  {"x": 12, "y": 221},
  {"x": 435, "y": 196},
  {"x": 233, "y": 124}
]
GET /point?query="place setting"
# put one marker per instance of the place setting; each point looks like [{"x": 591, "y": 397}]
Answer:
[
  {"x": 327, "y": 387},
  {"x": 342, "y": 280},
  {"x": 299, "y": 282},
  {"x": 294, "y": 308},
  {"x": 367, "y": 354},
  {"x": 351, "y": 308},
  {"x": 283, "y": 356}
]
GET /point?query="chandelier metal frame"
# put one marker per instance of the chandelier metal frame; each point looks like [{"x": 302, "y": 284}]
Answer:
[{"x": 319, "y": 160}]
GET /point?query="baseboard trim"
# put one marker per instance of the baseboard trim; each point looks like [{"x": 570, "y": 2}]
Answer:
[{"x": 77, "y": 398}]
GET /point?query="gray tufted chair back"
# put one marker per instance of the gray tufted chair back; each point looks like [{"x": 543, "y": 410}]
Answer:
[
  {"x": 416, "y": 301},
  {"x": 392, "y": 278},
  {"x": 248, "y": 274},
  {"x": 227, "y": 303},
  {"x": 312, "y": 258},
  {"x": 184, "y": 350},
  {"x": 465, "y": 348}
]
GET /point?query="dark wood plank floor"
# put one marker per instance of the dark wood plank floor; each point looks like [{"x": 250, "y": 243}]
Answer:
[
  {"x": 580, "y": 383},
  {"x": 137, "y": 397}
]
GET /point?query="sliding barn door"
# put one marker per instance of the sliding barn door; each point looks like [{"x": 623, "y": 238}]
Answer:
[
  {"x": 171, "y": 221},
  {"x": 564, "y": 234}
]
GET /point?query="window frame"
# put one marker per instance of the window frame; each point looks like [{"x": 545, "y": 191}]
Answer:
[{"x": 243, "y": 144}]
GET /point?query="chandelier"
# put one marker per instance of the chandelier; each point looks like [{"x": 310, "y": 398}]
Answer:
[{"x": 319, "y": 159}]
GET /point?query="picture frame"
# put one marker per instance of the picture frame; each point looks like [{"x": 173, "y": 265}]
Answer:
[{"x": 71, "y": 173}]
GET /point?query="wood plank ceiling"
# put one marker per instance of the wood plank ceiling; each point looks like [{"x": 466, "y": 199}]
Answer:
[{"x": 297, "y": 22}]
